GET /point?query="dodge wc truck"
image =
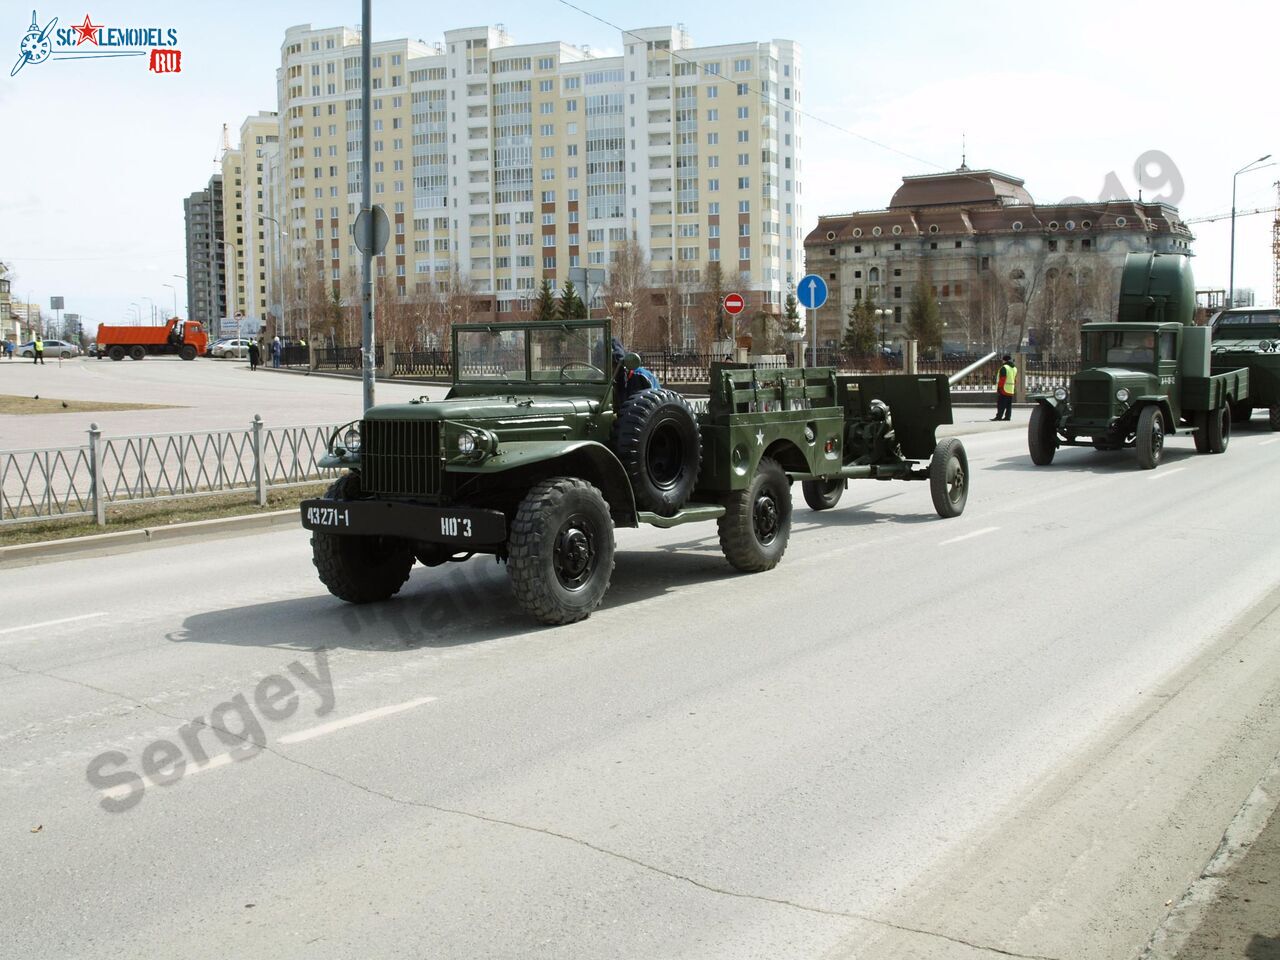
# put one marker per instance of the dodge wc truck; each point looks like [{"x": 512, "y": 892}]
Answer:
[
  {"x": 545, "y": 443},
  {"x": 1249, "y": 337},
  {"x": 1143, "y": 377}
]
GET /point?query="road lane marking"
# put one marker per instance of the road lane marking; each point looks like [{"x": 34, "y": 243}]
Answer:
[
  {"x": 969, "y": 536},
  {"x": 190, "y": 770},
  {"x": 52, "y": 623},
  {"x": 1265, "y": 443},
  {"x": 1166, "y": 473},
  {"x": 324, "y": 728}
]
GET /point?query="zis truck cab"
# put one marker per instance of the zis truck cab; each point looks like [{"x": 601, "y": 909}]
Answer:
[
  {"x": 548, "y": 440},
  {"x": 1249, "y": 337},
  {"x": 1142, "y": 377}
]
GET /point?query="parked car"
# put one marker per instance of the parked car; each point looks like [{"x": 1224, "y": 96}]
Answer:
[
  {"x": 232, "y": 347},
  {"x": 52, "y": 349}
]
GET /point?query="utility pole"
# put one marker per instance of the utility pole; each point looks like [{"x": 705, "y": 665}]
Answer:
[{"x": 366, "y": 195}]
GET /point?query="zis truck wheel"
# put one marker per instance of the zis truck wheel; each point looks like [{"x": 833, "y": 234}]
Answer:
[
  {"x": 1042, "y": 435},
  {"x": 116, "y": 353},
  {"x": 822, "y": 494},
  {"x": 1150, "y": 439},
  {"x": 137, "y": 353},
  {"x": 656, "y": 438},
  {"x": 1201, "y": 423},
  {"x": 1241, "y": 412},
  {"x": 757, "y": 523},
  {"x": 1219, "y": 430},
  {"x": 560, "y": 552},
  {"x": 1274, "y": 418},
  {"x": 949, "y": 478},
  {"x": 188, "y": 352},
  {"x": 359, "y": 569}
]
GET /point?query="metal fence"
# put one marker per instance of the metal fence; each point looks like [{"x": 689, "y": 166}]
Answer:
[
  {"x": 348, "y": 358},
  {"x": 83, "y": 481}
]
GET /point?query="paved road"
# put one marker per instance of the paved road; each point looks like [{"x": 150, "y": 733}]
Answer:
[{"x": 1021, "y": 731}]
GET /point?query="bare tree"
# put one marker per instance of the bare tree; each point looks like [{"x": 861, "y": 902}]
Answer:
[{"x": 628, "y": 279}]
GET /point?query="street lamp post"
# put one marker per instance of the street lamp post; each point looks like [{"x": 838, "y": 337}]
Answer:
[
  {"x": 1231, "y": 284},
  {"x": 138, "y": 319},
  {"x": 174, "y": 290},
  {"x": 182, "y": 277},
  {"x": 153, "y": 309},
  {"x": 623, "y": 307},
  {"x": 280, "y": 258}
]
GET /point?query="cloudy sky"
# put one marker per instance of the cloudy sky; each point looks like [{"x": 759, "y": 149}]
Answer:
[{"x": 99, "y": 155}]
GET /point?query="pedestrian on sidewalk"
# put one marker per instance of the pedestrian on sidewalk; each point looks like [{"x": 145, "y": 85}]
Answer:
[
  {"x": 1006, "y": 383},
  {"x": 37, "y": 350},
  {"x": 254, "y": 355},
  {"x": 275, "y": 353}
]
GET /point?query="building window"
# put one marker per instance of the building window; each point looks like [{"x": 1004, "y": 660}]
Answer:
[
  {"x": 897, "y": 293},
  {"x": 897, "y": 314},
  {"x": 897, "y": 246},
  {"x": 1053, "y": 246},
  {"x": 959, "y": 244},
  {"x": 933, "y": 246},
  {"x": 984, "y": 263}
]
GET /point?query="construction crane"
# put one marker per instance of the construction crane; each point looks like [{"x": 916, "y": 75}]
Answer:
[
  {"x": 224, "y": 146},
  {"x": 1275, "y": 252},
  {"x": 1227, "y": 216}
]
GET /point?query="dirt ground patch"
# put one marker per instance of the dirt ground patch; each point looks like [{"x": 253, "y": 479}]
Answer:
[{"x": 37, "y": 404}]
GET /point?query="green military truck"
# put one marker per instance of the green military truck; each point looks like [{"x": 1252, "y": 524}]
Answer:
[
  {"x": 1249, "y": 337},
  {"x": 1143, "y": 377},
  {"x": 540, "y": 450}
]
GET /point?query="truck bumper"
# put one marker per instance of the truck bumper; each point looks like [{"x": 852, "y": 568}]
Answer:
[{"x": 456, "y": 526}]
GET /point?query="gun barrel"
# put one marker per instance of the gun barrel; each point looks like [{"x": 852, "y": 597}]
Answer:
[{"x": 957, "y": 377}]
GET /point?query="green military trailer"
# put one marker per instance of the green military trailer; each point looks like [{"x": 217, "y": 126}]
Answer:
[
  {"x": 1249, "y": 337},
  {"x": 1142, "y": 377},
  {"x": 544, "y": 445}
]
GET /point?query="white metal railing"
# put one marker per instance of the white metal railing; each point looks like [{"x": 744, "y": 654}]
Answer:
[{"x": 39, "y": 484}]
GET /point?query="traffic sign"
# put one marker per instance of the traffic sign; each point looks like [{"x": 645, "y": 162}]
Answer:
[
  {"x": 734, "y": 304},
  {"x": 812, "y": 291},
  {"x": 373, "y": 230}
]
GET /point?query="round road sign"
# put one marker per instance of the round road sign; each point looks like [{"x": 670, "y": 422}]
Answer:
[{"x": 734, "y": 304}]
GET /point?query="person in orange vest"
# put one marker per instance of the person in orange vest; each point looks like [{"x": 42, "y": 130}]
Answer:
[{"x": 1006, "y": 384}]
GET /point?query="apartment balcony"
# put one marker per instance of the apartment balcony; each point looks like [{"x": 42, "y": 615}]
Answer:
[
  {"x": 659, "y": 140},
  {"x": 659, "y": 186},
  {"x": 660, "y": 208},
  {"x": 660, "y": 163}
]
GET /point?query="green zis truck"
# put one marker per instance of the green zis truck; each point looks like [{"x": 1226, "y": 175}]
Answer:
[
  {"x": 1142, "y": 377},
  {"x": 1249, "y": 337},
  {"x": 544, "y": 445}
]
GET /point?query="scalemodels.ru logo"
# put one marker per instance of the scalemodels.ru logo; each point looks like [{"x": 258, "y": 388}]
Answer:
[{"x": 94, "y": 41}]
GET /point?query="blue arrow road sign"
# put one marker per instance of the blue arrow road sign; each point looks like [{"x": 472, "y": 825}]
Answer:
[{"x": 812, "y": 291}]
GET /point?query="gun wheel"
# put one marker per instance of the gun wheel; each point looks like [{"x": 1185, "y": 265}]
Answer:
[
  {"x": 822, "y": 494},
  {"x": 757, "y": 523},
  {"x": 949, "y": 478}
]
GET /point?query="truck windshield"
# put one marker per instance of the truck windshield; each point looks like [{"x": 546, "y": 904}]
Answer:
[
  {"x": 551, "y": 353},
  {"x": 1251, "y": 318},
  {"x": 1119, "y": 346}
]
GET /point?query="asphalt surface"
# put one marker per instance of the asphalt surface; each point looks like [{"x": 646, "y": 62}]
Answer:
[{"x": 1019, "y": 732}]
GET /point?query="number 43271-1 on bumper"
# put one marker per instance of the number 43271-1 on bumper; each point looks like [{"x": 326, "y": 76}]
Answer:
[{"x": 381, "y": 518}]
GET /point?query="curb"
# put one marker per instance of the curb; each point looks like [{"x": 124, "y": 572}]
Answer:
[
  {"x": 1246, "y": 826},
  {"x": 103, "y": 544}
]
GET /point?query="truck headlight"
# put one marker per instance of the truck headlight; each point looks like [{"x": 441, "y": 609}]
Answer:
[
  {"x": 351, "y": 439},
  {"x": 1123, "y": 395},
  {"x": 466, "y": 444},
  {"x": 1060, "y": 393}
]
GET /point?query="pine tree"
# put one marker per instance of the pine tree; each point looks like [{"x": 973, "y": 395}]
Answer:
[
  {"x": 546, "y": 308},
  {"x": 791, "y": 314},
  {"x": 571, "y": 305},
  {"x": 924, "y": 321},
  {"x": 861, "y": 335}
]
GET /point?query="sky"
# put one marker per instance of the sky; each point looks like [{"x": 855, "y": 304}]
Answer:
[{"x": 99, "y": 155}]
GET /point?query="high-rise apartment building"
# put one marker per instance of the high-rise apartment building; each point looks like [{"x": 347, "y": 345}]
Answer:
[
  {"x": 501, "y": 165},
  {"x": 206, "y": 267},
  {"x": 248, "y": 226}
]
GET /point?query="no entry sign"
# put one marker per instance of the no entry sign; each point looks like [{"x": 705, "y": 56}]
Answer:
[{"x": 734, "y": 304}]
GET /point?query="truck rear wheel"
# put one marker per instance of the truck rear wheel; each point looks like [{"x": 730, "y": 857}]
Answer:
[
  {"x": 822, "y": 494},
  {"x": 1150, "y": 439},
  {"x": 757, "y": 523},
  {"x": 560, "y": 552},
  {"x": 359, "y": 569},
  {"x": 187, "y": 352},
  {"x": 949, "y": 478},
  {"x": 137, "y": 353},
  {"x": 1219, "y": 430},
  {"x": 1042, "y": 435},
  {"x": 116, "y": 353},
  {"x": 656, "y": 438},
  {"x": 1200, "y": 421}
]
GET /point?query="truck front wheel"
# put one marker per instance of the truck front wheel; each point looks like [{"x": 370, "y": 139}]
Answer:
[
  {"x": 822, "y": 494},
  {"x": 116, "y": 353},
  {"x": 359, "y": 569},
  {"x": 1219, "y": 430},
  {"x": 187, "y": 352},
  {"x": 1042, "y": 438},
  {"x": 757, "y": 523},
  {"x": 1150, "y": 439},
  {"x": 560, "y": 551}
]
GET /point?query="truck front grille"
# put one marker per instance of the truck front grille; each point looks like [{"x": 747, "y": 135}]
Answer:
[
  {"x": 1091, "y": 399},
  {"x": 400, "y": 457}
]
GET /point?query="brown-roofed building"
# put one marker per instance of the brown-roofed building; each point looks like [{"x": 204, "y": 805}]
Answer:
[{"x": 1003, "y": 268}]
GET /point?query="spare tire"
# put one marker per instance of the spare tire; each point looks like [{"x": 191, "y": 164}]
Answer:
[{"x": 657, "y": 439}]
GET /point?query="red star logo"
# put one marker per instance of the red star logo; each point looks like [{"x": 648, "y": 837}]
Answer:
[{"x": 87, "y": 30}]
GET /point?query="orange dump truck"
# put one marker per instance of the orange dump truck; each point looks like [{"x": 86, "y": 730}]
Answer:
[{"x": 186, "y": 338}]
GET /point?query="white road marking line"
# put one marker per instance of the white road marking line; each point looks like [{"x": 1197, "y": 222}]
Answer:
[
  {"x": 351, "y": 721},
  {"x": 1265, "y": 443},
  {"x": 969, "y": 536},
  {"x": 226, "y": 759},
  {"x": 1165, "y": 473},
  {"x": 52, "y": 623}
]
